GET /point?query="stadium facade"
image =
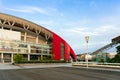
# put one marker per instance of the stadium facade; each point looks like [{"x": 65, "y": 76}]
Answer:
[{"x": 32, "y": 41}]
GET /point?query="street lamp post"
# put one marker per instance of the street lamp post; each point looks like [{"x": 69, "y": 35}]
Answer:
[{"x": 87, "y": 39}]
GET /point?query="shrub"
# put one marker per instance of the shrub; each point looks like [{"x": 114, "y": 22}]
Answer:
[
  {"x": 43, "y": 61},
  {"x": 17, "y": 58}
]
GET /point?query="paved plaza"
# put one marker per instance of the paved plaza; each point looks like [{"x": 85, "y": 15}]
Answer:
[{"x": 54, "y": 72}]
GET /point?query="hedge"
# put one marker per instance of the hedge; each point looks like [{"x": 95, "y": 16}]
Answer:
[{"x": 43, "y": 61}]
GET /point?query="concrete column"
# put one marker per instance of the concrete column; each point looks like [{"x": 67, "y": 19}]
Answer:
[
  {"x": 37, "y": 40},
  {"x": 41, "y": 57},
  {"x": 2, "y": 58},
  {"x": 12, "y": 56},
  {"x": 42, "y": 53},
  {"x": 29, "y": 49},
  {"x": 10, "y": 29},
  {"x": 28, "y": 57},
  {"x": 25, "y": 36}
]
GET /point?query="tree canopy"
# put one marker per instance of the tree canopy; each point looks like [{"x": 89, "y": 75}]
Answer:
[{"x": 116, "y": 59}]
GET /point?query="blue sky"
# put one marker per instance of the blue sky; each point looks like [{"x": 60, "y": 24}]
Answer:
[{"x": 71, "y": 19}]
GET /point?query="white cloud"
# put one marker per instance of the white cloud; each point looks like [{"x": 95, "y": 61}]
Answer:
[
  {"x": 93, "y": 31},
  {"x": 82, "y": 31},
  {"x": 49, "y": 11},
  {"x": 28, "y": 9}
]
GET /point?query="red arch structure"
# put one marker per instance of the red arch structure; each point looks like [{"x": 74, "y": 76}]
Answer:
[{"x": 68, "y": 51}]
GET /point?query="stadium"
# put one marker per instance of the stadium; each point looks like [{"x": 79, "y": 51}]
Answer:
[{"x": 32, "y": 41}]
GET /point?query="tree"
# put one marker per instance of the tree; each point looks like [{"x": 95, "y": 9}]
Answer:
[
  {"x": 17, "y": 58},
  {"x": 103, "y": 57},
  {"x": 118, "y": 49},
  {"x": 116, "y": 59}
]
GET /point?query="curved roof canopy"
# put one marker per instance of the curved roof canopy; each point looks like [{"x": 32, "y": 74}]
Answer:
[{"x": 19, "y": 24}]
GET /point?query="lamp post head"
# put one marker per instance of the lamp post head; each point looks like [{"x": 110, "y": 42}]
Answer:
[{"x": 87, "y": 39}]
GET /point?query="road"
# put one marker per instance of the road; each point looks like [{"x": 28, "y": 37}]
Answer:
[{"x": 58, "y": 73}]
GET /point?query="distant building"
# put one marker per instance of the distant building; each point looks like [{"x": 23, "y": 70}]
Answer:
[
  {"x": 112, "y": 55},
  {"x": 83, "y": 57}
]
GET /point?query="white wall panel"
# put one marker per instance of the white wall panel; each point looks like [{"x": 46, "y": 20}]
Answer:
[{"x": 10, "y": 35}]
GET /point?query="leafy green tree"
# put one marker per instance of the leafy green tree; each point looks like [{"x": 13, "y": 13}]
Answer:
[
  {"x": 118, "y": 49},
  {"x": 103, "y": 57},
  {"x": 108, "y": 58},
  {"x": 116, "y": 59},
  {"x": 17, "y": 58}
]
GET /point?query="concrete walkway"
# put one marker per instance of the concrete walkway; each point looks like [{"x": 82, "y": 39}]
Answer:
[
  {"x": 45, "y": 65},
  {"x": 8, "y": 66},
  {"x": 23, "y": 66}
]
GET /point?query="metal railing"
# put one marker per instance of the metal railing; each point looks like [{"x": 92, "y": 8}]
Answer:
[{"x": 95, "y": 63}]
